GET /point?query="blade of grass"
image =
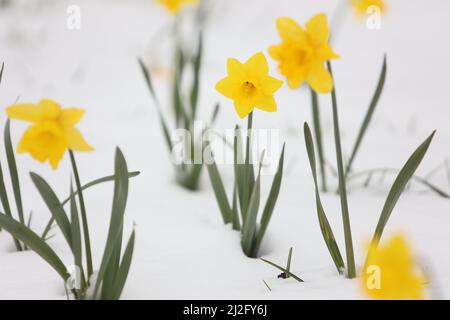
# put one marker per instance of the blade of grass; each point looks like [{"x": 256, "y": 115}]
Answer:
[
  {"x": 288, "y": 273},
  {"x": 196, "y": 81},
  {"x": 117, "y": 213},
  {"x": 34, "y": 242},
  {"x": 318, "y": 137},
  {"x": 351, "y": 270},
  {"x": 399, "y": 185},
  {"x": 368, "y": 116},
  {"x": 247, "y": 169},
  {"x": 234, "y": 209},
  {"x": 288, "y": 265},
  {"x": 13, "y": 171},
  {"x": 325, "y": 227},
  {"x": 54, "y": 205},
  {"x": 76, "y": 236}
]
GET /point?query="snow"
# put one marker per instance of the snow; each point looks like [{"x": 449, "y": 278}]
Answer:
[{"x": 183, "y": 251}]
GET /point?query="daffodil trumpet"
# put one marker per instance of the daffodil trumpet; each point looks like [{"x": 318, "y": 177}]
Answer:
[
  {"x": 399, "y": 185},
  {"x": 251, "y": 87}
]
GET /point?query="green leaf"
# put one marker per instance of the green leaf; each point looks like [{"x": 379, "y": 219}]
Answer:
[
  {"x": 86, "y": 186},
  {"x": 405, "y": 174},
  {"x": 84, "y": 221},
  {"x": 54, "y": 205},
  {"x": 196, "y": 81},
  {"x": 5, "y": 203},
  {"x": 271, "y": 201},
  {"x": 235, "y": 210},
  {"x": 289, "y": 273},
  {"x": 34, "y": 242},
  {"x": 76, "y": 233},
  {"x": 368, "y": 116},
  {"x": 122, "y": 273},
  {"x": 13, "y": 171},
  {"x": 219, "y": 191},
  {"x": 288, "y": 265},
  {"x": 162, "y": 121},
  {"x": 318, "y": 137},
  {"x": 112, "y": 248},
  {"x": 325, "y": 227},
  {"x": 351, "y": 272},
  {"x": 250, "y": 223}
]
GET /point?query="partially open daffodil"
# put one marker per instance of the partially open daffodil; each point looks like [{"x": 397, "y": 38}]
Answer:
[
  {"x": 174, "y": 6},
  {"x": 302, "y": 53},
  {"x": 52, "y": 131},
  {"x": 391, "y": 272},
  {"x": 249, "y": 85},
  {"x": 361, "y": 7}
]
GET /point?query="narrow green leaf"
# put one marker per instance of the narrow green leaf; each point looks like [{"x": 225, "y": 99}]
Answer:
[
  {"x": 234, "y": 209},
  {"x": 239, "y": 168},
  {"x": 288, "y": 265},
  {"x": 325, "y": 227},
  {"x": 34, "y": 242},
  {"x": 290, "y": 274},
  {"x": 219, "y": 192},
  {"x": 54, "y": 205},
  {"x": 399, "y": 185},
  {"x": 162, "y": 121},
  {"x": 84, "y": 221},
  {"x": 196, "y": 81},
  {"x": 271, "y": 201},
  {"x": 368, "y": 116},
  {"x": 116, "y": 222},
  {"x": 5, "y": 203},
  {"x": 250, "y": 224},
  {"x": 351, "y": 269},
  {"x": 86, "y": 186},
  {"x": 318, "y": 137},
  {"x": 122, "y": 273},
  {"x": 13, "y": 171},
  {"x": 76, "y": 233}
]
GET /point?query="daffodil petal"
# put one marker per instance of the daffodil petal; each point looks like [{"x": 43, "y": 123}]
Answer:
[
  {"x": 319, "y": 78},
  {"x": 243, "y": 109},
  {"x": 24, "y": 111},
  {"x": 289, "y": 30},
  {"x": 235, "y": 69},
  {"x": 71, "y": 116},
  {"x": 317, "y": 29},
  {"x": 270, "y": 85},
  {"x": 267, "y": 103},
  {"x": 226, "y": 87},
  {"x": 76, "y": 141},
  {"x": 257, "y": 65}
]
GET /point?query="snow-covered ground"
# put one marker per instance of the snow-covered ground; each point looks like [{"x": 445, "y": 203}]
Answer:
[{"x": 182, "y": 248}]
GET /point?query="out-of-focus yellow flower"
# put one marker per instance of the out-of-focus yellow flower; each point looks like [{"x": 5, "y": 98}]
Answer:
[
  {"x": 303, "y": 52},
  {"x": 391, "y": 272},
  {"x": 52, "y": 131},
  {"x": 174, "y": 6},
  {"x": 249, "y": 85},
  {"x": 361, "y": 6}
]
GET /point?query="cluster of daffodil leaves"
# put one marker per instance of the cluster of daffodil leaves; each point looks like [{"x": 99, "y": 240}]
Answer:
[{"x": 50, "y": 135}]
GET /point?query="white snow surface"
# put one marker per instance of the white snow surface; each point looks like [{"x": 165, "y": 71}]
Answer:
[{"x": 183, "y": 250}]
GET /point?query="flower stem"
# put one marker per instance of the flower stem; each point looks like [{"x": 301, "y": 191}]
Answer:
[
  {"x": 247, "y": 174},
  {"x": 342, "y": 188},
  {"x": 87, "y": 241},
  {"x": 318, "y": 137}
]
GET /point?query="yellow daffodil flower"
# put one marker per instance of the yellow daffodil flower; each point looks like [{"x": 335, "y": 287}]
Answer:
[
  {"x": 302, "y": 53},
  {"x": 52, "y": 131},
  {"x": 361, "y": 6},
  {"x": 174, "y": 6},
  {"x": 391, "y": 272},
  {"x": 249, "y": 85}
]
